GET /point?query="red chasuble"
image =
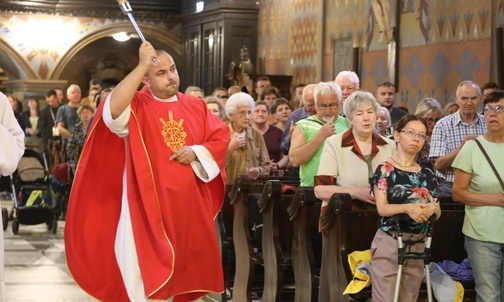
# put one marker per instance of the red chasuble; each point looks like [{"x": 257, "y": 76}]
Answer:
[{"x": 172, "y": 210}]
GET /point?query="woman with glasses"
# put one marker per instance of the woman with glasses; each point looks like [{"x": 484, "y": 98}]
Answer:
[
  {"x": 430, "y": 110},
  {"x": 401, "y": 185},
  {"x": 478, "y": 186},
  {"x": 349, "y": 159}
]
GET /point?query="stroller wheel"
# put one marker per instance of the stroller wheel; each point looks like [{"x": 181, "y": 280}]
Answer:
[
  {"x": 5, "y": 218},
  {"x": 15, "y": 226},
  {"x": 11, "y": 214}
]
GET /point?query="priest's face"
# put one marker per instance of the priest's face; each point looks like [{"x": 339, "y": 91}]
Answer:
[{"x": 163, "y": 80}]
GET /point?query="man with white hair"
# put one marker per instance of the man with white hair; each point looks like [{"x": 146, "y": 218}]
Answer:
[
  {"x": 310, "y": 133},
  {"x": 67, "y": 117},
  {"x": 348, "y": 82}
]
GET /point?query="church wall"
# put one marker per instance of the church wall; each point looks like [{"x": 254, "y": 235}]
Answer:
[{"x": 441, "y": 43}]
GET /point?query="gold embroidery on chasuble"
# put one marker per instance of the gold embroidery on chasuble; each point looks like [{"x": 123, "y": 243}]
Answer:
[{"x": 173, "y": 132}]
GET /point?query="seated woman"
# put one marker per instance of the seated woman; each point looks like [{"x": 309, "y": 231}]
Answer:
[
  {"x": 430, "y": 110},
  {"x": 78, "y": 136},
  {"x": 272, "y": 137},
  {"x": 247, "y": 152},
  {"x": 401, "y": 185},
  {"x": 349, "y": 159},
  {"x": 383, "y": 121},
  {"x": 281, "y": 109},
  {"x": 480, "y": 189}
]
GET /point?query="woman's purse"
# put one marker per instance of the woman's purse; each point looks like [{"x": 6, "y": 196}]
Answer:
[{"x": 490, "y": 162}]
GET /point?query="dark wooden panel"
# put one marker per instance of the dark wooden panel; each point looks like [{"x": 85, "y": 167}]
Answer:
[{"x": 154, "y": 9}]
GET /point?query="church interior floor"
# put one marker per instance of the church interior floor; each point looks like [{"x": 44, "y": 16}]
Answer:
[{"x": 35, "y": 266}]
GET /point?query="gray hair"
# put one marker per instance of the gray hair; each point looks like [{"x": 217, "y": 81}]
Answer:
[
  {"x": 238, "y": 99},
  {"x": 326, "y": 88},
  {"x": 72, "y": 87},
  {"x": 193, "y": 88},
  {"x": 357, "y": 99},
  {"x": 352, "y": 76},
  {"x": 386, "y": 112},
  {"x": 214, "y": 100},
  {"x": 467, "y": 83},
  {"x": 427, "y": 106}
]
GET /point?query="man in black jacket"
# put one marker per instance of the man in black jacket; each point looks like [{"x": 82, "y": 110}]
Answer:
[{"x": 46, "y": 123}]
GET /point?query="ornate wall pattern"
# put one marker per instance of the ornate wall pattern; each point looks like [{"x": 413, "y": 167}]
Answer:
[{"x": 442, "y": 43}]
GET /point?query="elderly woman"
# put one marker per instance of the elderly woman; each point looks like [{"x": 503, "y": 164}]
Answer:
[
  {"x": 78, "y": 136},
  {"x": 247, "y": 152},
  {"x": 358, "y": 149},
  {"x": 480, "y": 188},
  {"x": 383, "y": 121},
  {"x": 216, "y": 106},
  {"x": 430, "y": 110}
]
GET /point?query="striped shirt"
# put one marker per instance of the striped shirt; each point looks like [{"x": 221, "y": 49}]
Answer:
[{"x": 448, "y": 135}]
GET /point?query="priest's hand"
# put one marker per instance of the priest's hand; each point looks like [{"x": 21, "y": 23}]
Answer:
[{"x": 184, "y": 155}]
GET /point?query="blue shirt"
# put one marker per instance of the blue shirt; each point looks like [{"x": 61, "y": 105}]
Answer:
[{"x": 295, "y": 116}]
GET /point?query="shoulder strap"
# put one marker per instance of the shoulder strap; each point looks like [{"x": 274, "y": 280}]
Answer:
[{"x": 490, "y": 162}]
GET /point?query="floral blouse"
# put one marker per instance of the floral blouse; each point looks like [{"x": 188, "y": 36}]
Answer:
[{"x": 405, "y": 187}]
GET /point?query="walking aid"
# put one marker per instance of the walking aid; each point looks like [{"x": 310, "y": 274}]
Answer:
[{"x": 403, "y": 255}]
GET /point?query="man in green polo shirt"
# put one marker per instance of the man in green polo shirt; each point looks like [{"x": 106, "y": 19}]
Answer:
[{"x": 309, "y": 134}]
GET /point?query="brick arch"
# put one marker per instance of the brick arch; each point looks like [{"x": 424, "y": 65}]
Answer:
[{"x": 170, "y": 42}]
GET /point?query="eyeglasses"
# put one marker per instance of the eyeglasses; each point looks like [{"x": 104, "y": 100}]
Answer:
[
  {"x": 411, "y": 134},
  {"x": 325, "y": 106},
  {"x": 431, "y": 120},
  {"x": 497, "y": 109}
]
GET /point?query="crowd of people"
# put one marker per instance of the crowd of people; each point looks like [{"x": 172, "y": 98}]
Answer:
[{"x": 406, "y": 163}]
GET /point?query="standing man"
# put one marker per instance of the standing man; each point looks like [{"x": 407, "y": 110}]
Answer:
[
  {"x": 46, "y": 124},
  {"x": 60, "y": 96},
  {"x": 262, "y": 82},
  {"x": 385, "y": 95},
  {"x": 310, "y": 133},
  {"x": 348, "y": 82},
  {"x": 307, "y": 110},
  {"x": 146, "y": 230},
  {"x": 452, "y": 131},
  {"x": 11, "y": 150},
  {"x": 67, "y": 117}
]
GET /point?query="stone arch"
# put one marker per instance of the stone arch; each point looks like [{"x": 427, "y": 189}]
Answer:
[
  {"x": 170, "y": 42},
  {"x": 14, "y": 65}
]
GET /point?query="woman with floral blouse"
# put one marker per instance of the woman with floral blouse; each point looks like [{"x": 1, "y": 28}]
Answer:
[{"x": 401, "y": 185}]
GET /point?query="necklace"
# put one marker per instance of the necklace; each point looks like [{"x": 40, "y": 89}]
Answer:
[{"x": 406, "y": 166}]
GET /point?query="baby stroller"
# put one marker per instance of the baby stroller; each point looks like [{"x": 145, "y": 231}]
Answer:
[{"x": 32, "y": 201}]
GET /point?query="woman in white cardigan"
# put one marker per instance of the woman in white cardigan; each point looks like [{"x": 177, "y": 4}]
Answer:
[{"x": 349, "y": 159}]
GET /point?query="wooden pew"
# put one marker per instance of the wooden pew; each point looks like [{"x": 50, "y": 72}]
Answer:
[
  {"x": 304, "y": 213},
  {"x": 352, "y": 228},
  {"x": 276, "y": 238},
  {"x": 245, "y": 258}
]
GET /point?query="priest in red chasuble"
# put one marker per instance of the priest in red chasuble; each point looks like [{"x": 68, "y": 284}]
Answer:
[{"x": 150, "y": 181}]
